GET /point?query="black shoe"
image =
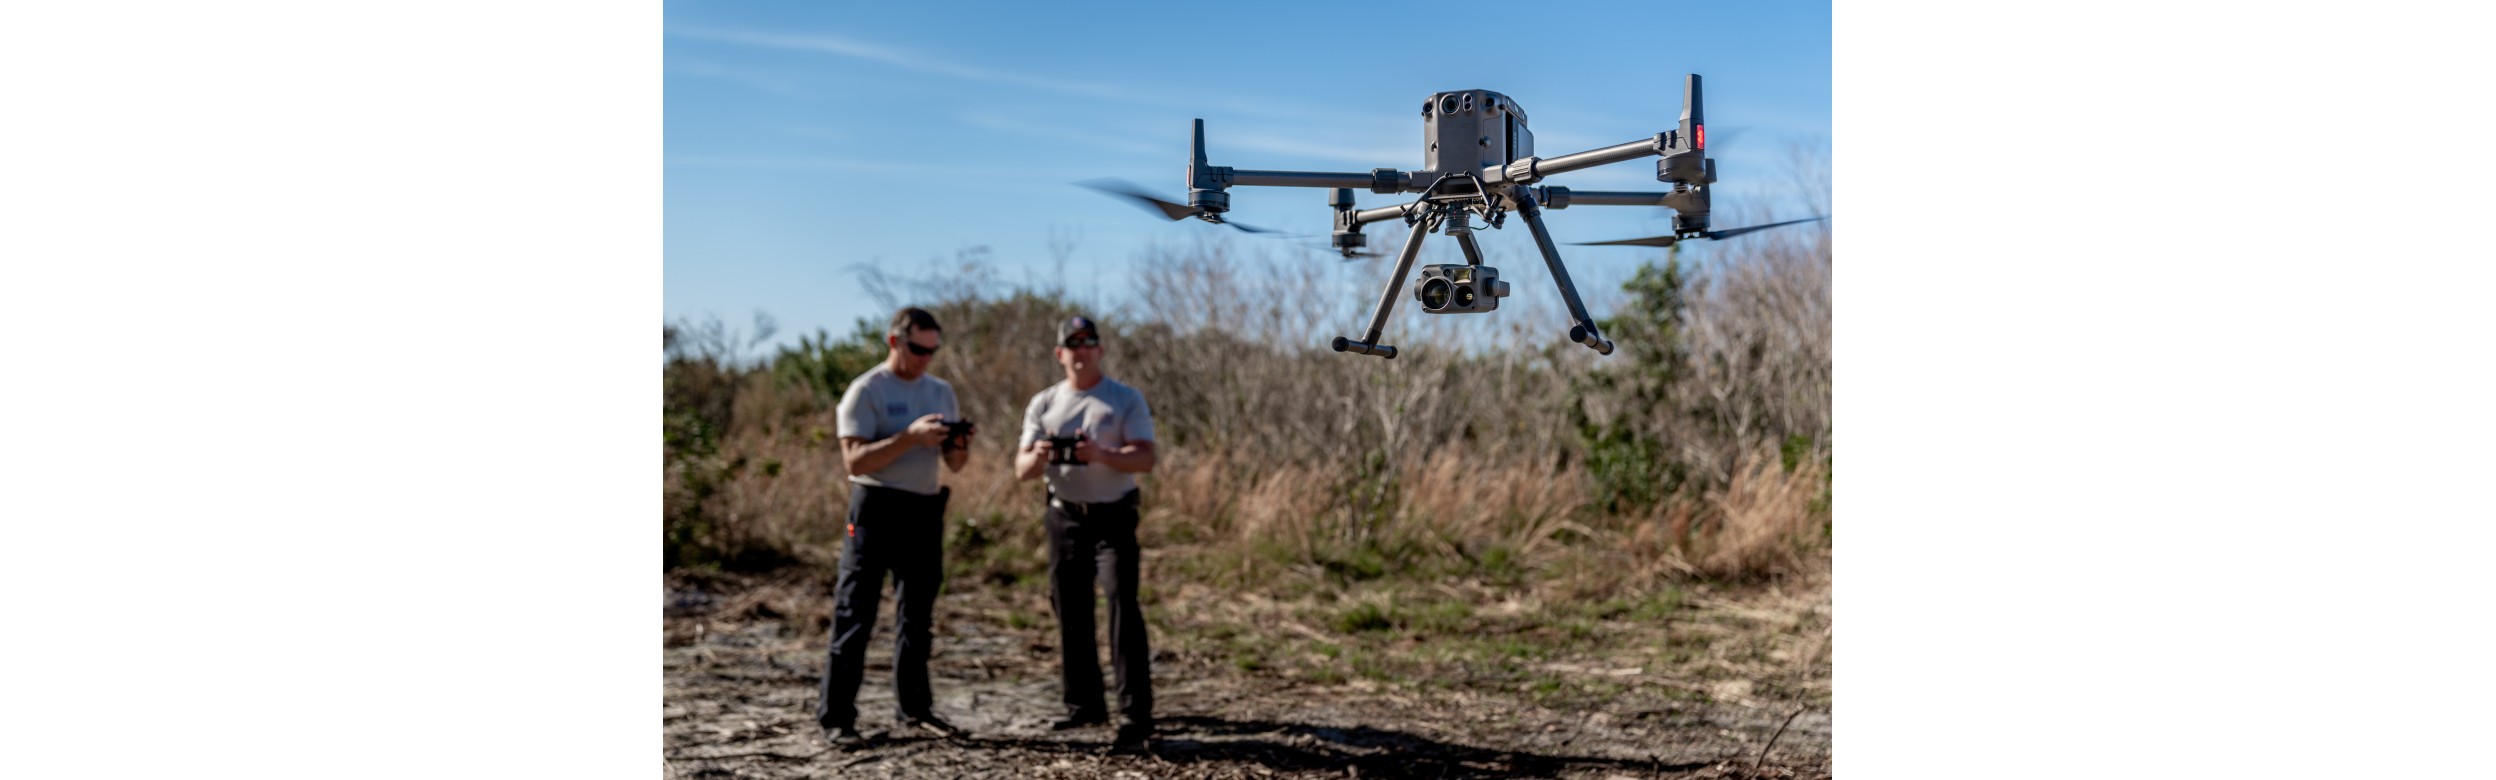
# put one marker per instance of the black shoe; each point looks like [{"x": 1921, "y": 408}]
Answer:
[
  {"x": 931, "y": 723},
  {"x": 1132, "y": 736},
  {"x": 1071, "y": 722},
  {"x": 845, "y": 738}
]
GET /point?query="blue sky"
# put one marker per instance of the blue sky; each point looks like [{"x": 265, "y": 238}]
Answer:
[{"x": 806, "y": 140}]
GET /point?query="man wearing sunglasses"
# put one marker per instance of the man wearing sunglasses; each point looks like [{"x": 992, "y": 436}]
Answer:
[
  {"x": 1092, "y": 517},
  {"x": 892, "y": 432}
]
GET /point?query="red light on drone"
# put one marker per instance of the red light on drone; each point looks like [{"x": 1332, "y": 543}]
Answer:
[{"x": 1701, "y": 132}]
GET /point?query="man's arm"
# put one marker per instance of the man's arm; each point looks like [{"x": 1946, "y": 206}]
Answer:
[
  {"x": 867, "y": 457},
  {"x": 1031, "y": 460},
  {"x": 1032, "y": 457},
  {"x": 1135, "y": 458}
]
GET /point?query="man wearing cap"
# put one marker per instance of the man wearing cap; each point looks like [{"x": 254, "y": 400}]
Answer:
[
  {"x": 1092, "y": 517},
  {"x": 892, "y": 432}
]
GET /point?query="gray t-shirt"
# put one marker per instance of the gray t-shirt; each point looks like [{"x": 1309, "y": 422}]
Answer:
[
  {"x": 1112, "y": 413},
  {"x": 878, "y": 405}
]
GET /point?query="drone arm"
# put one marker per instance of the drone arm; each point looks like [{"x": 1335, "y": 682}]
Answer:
[
  {"x": 1585, "y": 198},
  {"x": 1645, "y": 147},
  {"x": 1683, "y": 149},
  {"x": 1380, "y": 214},
  {"x": 1563, "y": 197},
  {"x": 1299, "y": 179}
]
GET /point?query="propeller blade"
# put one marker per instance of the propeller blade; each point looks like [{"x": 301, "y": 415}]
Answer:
[
  {"x": 1649, "y": 241},
  {"x": 1247, "y": 228},
  {"x": 1670, "y": 240},
  {"x": 1139, "y": 197},
  {"x": 1741, "y": 230},
  {"x": 1329, "y": 248}
]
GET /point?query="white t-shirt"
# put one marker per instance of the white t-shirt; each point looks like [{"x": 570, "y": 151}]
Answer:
[
  {"x": 878, "y": 405},
  {"x": 1111, "y": 413}
]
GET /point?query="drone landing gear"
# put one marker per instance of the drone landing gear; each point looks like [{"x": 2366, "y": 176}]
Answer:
[
  {"x": 1584, "y": 332},
  {"x": 1368, "y": 345}
]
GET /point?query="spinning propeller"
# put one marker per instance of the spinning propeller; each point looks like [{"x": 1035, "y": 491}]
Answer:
[
  {"x": 1174, "y": 211},
  {"x": 1671, "y": 240}
]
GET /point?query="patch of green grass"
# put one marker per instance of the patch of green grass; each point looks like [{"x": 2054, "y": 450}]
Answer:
[
  {"x": 1365, "y": 616},
  {"x": 1372, "y": 666},
  {"x": 1517, "y": 648},
  {"x": 993, "y": 550},
  {"x": 1657, "y": 608},
  {"x": 1444, "y": 617},
  {"x": 1499, "y": 566},
  {"x": 1574, "y": 630},
  {"x": 1360, "y": 565}
]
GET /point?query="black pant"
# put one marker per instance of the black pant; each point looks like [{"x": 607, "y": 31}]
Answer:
[
  {"x": 904, "y": 533},
  {"x": 1097, "y": 542}
]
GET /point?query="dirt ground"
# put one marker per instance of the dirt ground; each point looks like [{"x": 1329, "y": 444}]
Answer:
[{"x": 744, "y": 657}]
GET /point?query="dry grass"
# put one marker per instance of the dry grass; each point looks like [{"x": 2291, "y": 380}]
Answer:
[
  {"x": 1450, "y": 510},
  {"x": 1275, "y": 453}
]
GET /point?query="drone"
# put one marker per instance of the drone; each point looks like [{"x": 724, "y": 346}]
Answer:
[{"x": 1478, "y": 162}]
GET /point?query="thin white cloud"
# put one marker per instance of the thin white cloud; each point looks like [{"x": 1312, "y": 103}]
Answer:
[
  {"x": 939, "y": 65},
  {"x": 799, "y": 162},
  {"x": 835, "y": 45},
  {"x": 767, "y": 81}
]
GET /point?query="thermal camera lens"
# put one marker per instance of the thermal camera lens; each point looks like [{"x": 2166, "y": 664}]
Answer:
[
  {"x": 1464, "y": 295},
  {"x": 1447, "y": 105},
  {"x": 1435, "y": 292}
]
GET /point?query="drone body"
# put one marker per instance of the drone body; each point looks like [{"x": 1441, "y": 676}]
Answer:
[
  {"x": 1478, "y": 161},
  {"x": 1472, "y": 130}
]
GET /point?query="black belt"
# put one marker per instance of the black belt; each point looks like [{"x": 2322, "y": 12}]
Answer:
[
  {"x": 1080, "y": 509},
  {"x": 892, "y": 496}
]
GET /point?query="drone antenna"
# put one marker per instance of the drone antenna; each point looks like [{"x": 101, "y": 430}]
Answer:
[
  {"x": 1196, "y": 145},
  {"x": 1206, "y": 184},
  {"x": 1693, "y": 122}
]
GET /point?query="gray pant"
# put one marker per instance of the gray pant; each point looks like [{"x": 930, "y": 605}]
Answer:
[{"x": 1088, "y": 543}]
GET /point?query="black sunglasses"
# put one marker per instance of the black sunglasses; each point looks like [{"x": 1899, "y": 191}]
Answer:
[
  {"x": 1082, "y": 341},
  {"x": 920, "y": 351}
]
